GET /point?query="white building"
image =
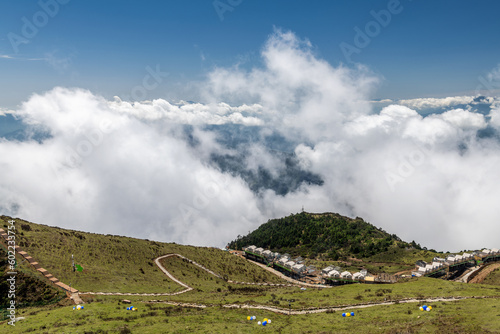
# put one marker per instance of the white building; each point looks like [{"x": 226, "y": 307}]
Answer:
[
  {"x": 333, "y": 273},
  {"x": 422, "y": 270},
  {"x": 259, "y": 251},
  {"x": 267, "y": 253},
  {"x": 326, "y": 270},
  {"x": 437, "y": 265},
  {"x": 298, "y": 268},
  {"x": 346, "y": 274},
  {"x": 358, "y": 276},
  {"x": 451, "y": 259},
  {"x": 467, "y": 256},
  {"x": 250, "y": 249},
  {"x": 289, "y": 264}
]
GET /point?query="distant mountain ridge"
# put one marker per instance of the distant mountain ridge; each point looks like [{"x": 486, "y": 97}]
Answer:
[{"x": 322, "y": 235}]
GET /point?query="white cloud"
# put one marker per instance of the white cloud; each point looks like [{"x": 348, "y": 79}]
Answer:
[
  {"x": 495, "y": 117},
  {"x": 299, "y": 92},
  {"x": 463, "y": 119},
  {"x": 122, "y": 168},
  {"x": 105, "y": 171},
  {"x": 429, "y": 103},
  {"x": 4, "y": 112},
  {"x": 60, "y": 64},
  {"x": 188, "y": 113}
]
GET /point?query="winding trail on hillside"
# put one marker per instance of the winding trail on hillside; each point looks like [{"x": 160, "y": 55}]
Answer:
[{"x": 188, "y": 288}]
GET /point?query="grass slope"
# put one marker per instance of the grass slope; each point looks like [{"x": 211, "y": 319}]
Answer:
[
  {"x": 120, "y": 264},
  {"x": 106, "y": 314},
  {"x": 110, "y": 316},
  {"x": 493, "y": 278}
]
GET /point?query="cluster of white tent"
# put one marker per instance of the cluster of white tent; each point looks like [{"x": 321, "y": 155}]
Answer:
[
  {"x": 270, "y": 256},
  {"x": 335, "y": 272},
  {"x": 297, "y": 265},
  {"x": 493, "y": 251},
  {"x": 439, "y": 263}
]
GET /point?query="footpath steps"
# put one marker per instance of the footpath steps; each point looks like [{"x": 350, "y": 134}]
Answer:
[
  {"x": 76, "y": 298},
  {"x": 36, "y": 266}
]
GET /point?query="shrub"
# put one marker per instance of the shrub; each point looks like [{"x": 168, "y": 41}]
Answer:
[{"x": 124, "y": 330}]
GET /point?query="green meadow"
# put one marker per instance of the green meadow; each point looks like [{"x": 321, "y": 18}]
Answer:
[{"x": 120, "y": 264}]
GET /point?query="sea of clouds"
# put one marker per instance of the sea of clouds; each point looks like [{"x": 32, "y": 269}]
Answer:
[{"x": 146, "y": 169}]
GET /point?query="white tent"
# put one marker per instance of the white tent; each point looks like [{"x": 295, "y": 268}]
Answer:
[
  {"x": 298, "y": 268},
  {"x": 259, "y": 251},
  {"x": 289, "y": 264},
  {"x": 358, "y": 276},
  {"x": 333, "y": 273},
  {"x": 437, "y": 265},
  {"x": 326, "y": 270},
  {"x": 466, "y": 256},
  {"x": 250, "y": 248},
  {"x": 346, "y": 274},
  {"x": 267, "y": 253}
]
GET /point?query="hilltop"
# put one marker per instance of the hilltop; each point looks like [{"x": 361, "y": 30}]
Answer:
[
  {"x": 350, "y": 243},
  {"x": 323, "y": 236}
]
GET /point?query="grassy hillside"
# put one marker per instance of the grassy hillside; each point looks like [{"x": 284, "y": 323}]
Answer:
[
  {"x": 107, "y": 314},
  {"x": 493, "y": 278},
  {"x": 120, "y": 264},
  {"x": 328, "y": 236}
]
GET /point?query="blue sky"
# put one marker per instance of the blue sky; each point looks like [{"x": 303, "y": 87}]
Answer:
[{"x": 427, "y": 49}]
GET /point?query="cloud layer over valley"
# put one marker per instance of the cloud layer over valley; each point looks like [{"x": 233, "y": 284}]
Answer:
[{"x": 263, "y": 143}]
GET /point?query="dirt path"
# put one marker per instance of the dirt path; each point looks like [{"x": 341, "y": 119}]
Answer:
[
  {"x": 187, "y": 287},
  {"x": 76, "y": 298},
  {"x": 484, "y": 272},
  {"x": 318, "y": 310}
]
